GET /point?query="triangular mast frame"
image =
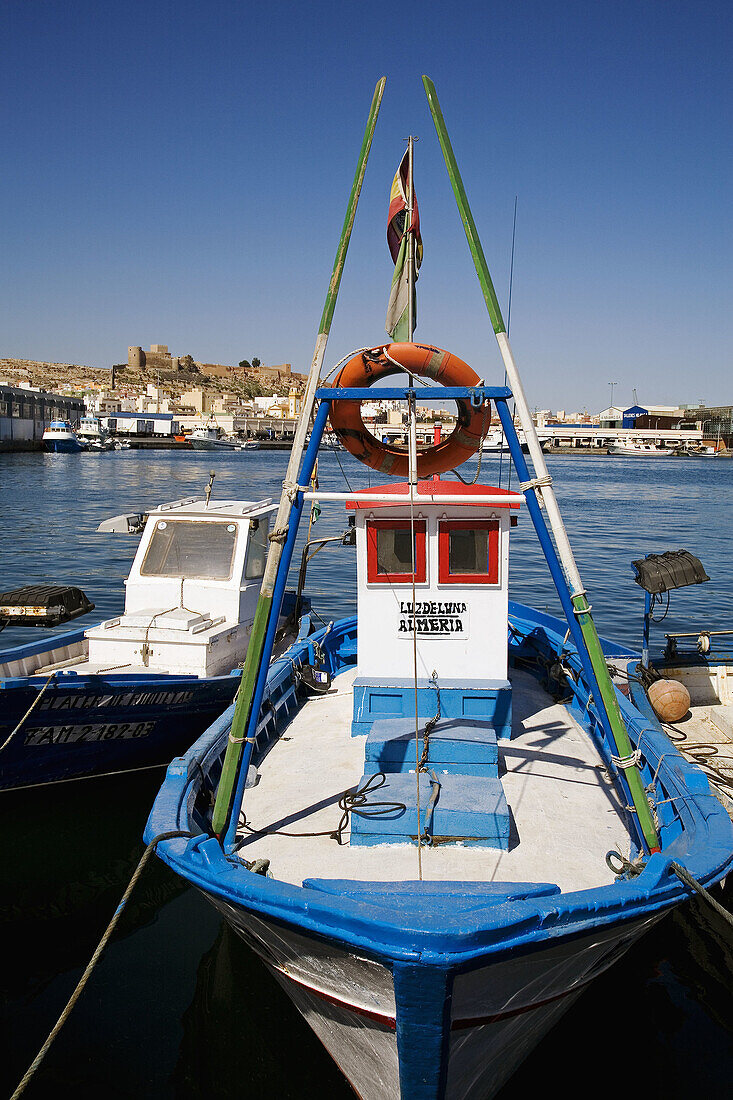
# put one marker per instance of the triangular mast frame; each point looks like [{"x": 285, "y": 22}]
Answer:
[{"x": 537, "y": 492}]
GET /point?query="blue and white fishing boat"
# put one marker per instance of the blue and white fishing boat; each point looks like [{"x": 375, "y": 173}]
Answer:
[
  {"x": 438, "y": 821},
  {"x": 135, "y": 689},
  {"x": 60, "y": 438}
]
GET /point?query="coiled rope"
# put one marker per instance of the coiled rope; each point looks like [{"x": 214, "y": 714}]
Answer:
[
  {"x": 95, "y": 958},
  {"x": 352, "y": 801}
]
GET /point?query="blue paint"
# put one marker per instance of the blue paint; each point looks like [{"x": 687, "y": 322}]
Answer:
[
  {"x": 379, "y": 697},
  {"x": 469, "y": 809},
  {"x": 454, "y": 745},
  {"x": 423, "y": 997}
]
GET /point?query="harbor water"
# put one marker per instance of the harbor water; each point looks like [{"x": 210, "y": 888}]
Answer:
[{"x": 178, "y": 1007}]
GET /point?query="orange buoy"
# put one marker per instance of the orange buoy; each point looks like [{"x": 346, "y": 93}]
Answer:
[
  {"x": 670, "y": 699},
  {"x": 426, "y": 362}
]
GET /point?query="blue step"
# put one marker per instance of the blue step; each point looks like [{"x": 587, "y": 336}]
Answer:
[
  {"x": 469, "y": 810},
  {"x": 378, "y": 697},
  {"x": 460, "y": 745}
]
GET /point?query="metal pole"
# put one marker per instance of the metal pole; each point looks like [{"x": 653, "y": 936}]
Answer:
[
  {"x": 255, "y": 652},
  {"x": 608, "y": 703}
]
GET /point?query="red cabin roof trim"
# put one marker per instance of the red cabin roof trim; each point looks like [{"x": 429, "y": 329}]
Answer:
[{"x": 436, "y": 488}]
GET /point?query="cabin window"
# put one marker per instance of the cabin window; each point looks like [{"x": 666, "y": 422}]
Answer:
[
  {"x": 254, "y": 565},
  {"x": 468, "y": 552},
  {"x": 185, "y": 548},
  {"x": 390, "y": 551}
]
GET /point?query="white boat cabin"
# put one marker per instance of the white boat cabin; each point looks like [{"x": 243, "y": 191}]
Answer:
[
  {"x": 458, "y": 610},
  {"x": 460, "y": 589},
  {"x": 192, "y": 591}
]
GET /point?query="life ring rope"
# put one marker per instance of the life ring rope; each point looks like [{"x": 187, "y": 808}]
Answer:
[{"x": 424, "y": 361}]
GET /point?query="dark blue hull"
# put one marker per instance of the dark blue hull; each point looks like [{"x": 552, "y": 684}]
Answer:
[
  {"x": 63, "y": 446},
  {"x": 91, "y": 725}
]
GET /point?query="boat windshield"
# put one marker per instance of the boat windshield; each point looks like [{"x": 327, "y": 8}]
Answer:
[{"x": 186, "y": 548}]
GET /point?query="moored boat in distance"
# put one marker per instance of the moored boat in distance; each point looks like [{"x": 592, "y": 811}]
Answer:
[
  {"x": 640, "y": 450},
  {"x": 212, "y": 438},
  {"x": 96, "y": 437},
  {"x": 60, "y": 438},
  {"x": 128, "y": 692}
]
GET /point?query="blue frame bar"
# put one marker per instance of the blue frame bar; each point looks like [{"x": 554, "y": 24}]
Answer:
[
  {"x": 558, "y": 576},
  {"x": 427, "y": 393},
  {"x": 306, "y": 469},
  {"x": 647, "y": 623}
]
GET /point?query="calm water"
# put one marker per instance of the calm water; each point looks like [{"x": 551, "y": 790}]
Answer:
[{"x": 179, "y": 1008}]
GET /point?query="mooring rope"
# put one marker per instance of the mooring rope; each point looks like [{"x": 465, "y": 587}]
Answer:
[
  {"x": 95, "y": 958},
  {"x": 627, "y": 867},
  {"x": 27, "y": 714}
]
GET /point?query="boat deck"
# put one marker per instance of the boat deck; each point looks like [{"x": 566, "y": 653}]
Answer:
[
  {"x": 705, "y": 737},
  {"x": 566, "y": 815}
]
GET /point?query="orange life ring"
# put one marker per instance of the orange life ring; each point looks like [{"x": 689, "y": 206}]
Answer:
[{"x": 426, "y": 362}]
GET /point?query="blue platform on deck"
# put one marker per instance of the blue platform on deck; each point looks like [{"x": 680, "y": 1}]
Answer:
[
  {"x": 462, "y": 746},
  {"x": 378, "y": 697},
  {"x": 469, "y": 809}
]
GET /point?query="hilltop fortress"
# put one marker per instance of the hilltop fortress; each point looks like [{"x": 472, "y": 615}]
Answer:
[{"x": 160, "y": 358}]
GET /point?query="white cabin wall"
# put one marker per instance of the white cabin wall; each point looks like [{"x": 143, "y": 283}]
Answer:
[{"x": 384, "y": 652}]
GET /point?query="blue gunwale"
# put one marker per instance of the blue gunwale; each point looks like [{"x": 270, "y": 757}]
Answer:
[{"x": 695, "y": 828}]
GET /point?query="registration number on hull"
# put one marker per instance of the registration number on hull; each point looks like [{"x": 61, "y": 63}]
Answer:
[{"x": 103, "y": 731}]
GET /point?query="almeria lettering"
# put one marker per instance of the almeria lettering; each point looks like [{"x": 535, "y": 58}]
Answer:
[
  {"x": 432, "y": 608},
  {"x": 425, "y": 625}
]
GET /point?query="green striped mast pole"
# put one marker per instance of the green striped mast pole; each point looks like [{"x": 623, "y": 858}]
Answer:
[
  {"x": 543, "y": 486},
  {"x": 227, "y": 782}
]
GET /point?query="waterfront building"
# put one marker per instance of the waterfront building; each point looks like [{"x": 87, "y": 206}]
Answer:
[{"x": 26, "y": 413}]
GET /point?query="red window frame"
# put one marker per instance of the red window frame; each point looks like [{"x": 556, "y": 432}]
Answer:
[
  {"x": 444, "y": 528},
  {"x": 373, "y": 575}
]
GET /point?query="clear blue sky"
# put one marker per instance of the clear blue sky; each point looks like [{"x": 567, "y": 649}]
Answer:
[{"x": 178, "y": 173}]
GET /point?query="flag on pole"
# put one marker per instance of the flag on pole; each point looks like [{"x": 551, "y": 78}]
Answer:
[{"x": 398, "y": 238}]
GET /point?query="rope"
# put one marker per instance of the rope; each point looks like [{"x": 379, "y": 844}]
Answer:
[
  {"x": 635, "y": 868},
  {"x": 95, "y": 958},
  {"x": 351, "y": 801},
  {"x": 412, "y": 413},
  {"x": 535, "y": 483},
  {"x": 684, "y": 876},
  {"x": 430, "y": 725},
  {"x": 30, "y": 710}
]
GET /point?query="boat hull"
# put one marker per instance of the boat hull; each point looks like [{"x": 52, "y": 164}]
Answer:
[
  {"x": 498, "y": 1011},
  {"x": 92, "y": 725},
  {"x": 63, "y": 446},
  {"x": 424, "y": 1000}
]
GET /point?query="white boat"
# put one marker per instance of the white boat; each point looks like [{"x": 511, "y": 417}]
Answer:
[
  {"x": 639, "y": 450},
  {"x": 60, "y": 438},
  {"x": 131, "y": 690},
  {"x": 212, "y": 438},
  {"x": 96, "y": 437},
  {"x": 458, "y": 821},
  {"x": 495, "y": 441}
]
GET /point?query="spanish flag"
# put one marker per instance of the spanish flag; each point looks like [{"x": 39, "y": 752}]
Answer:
[{"x": 398, "y": 236}]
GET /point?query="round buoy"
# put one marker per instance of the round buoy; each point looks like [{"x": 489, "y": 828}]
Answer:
[{"x": 670, "y": 700}]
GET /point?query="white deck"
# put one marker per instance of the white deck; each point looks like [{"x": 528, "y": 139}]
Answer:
[
  {"x": 705, "y": 736},
  {"x": 566, "y": 815}
]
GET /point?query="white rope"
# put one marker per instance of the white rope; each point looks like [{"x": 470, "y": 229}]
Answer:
[
  {"x": 535, "y": 483},
  {"x": 624, "y": 762}
]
